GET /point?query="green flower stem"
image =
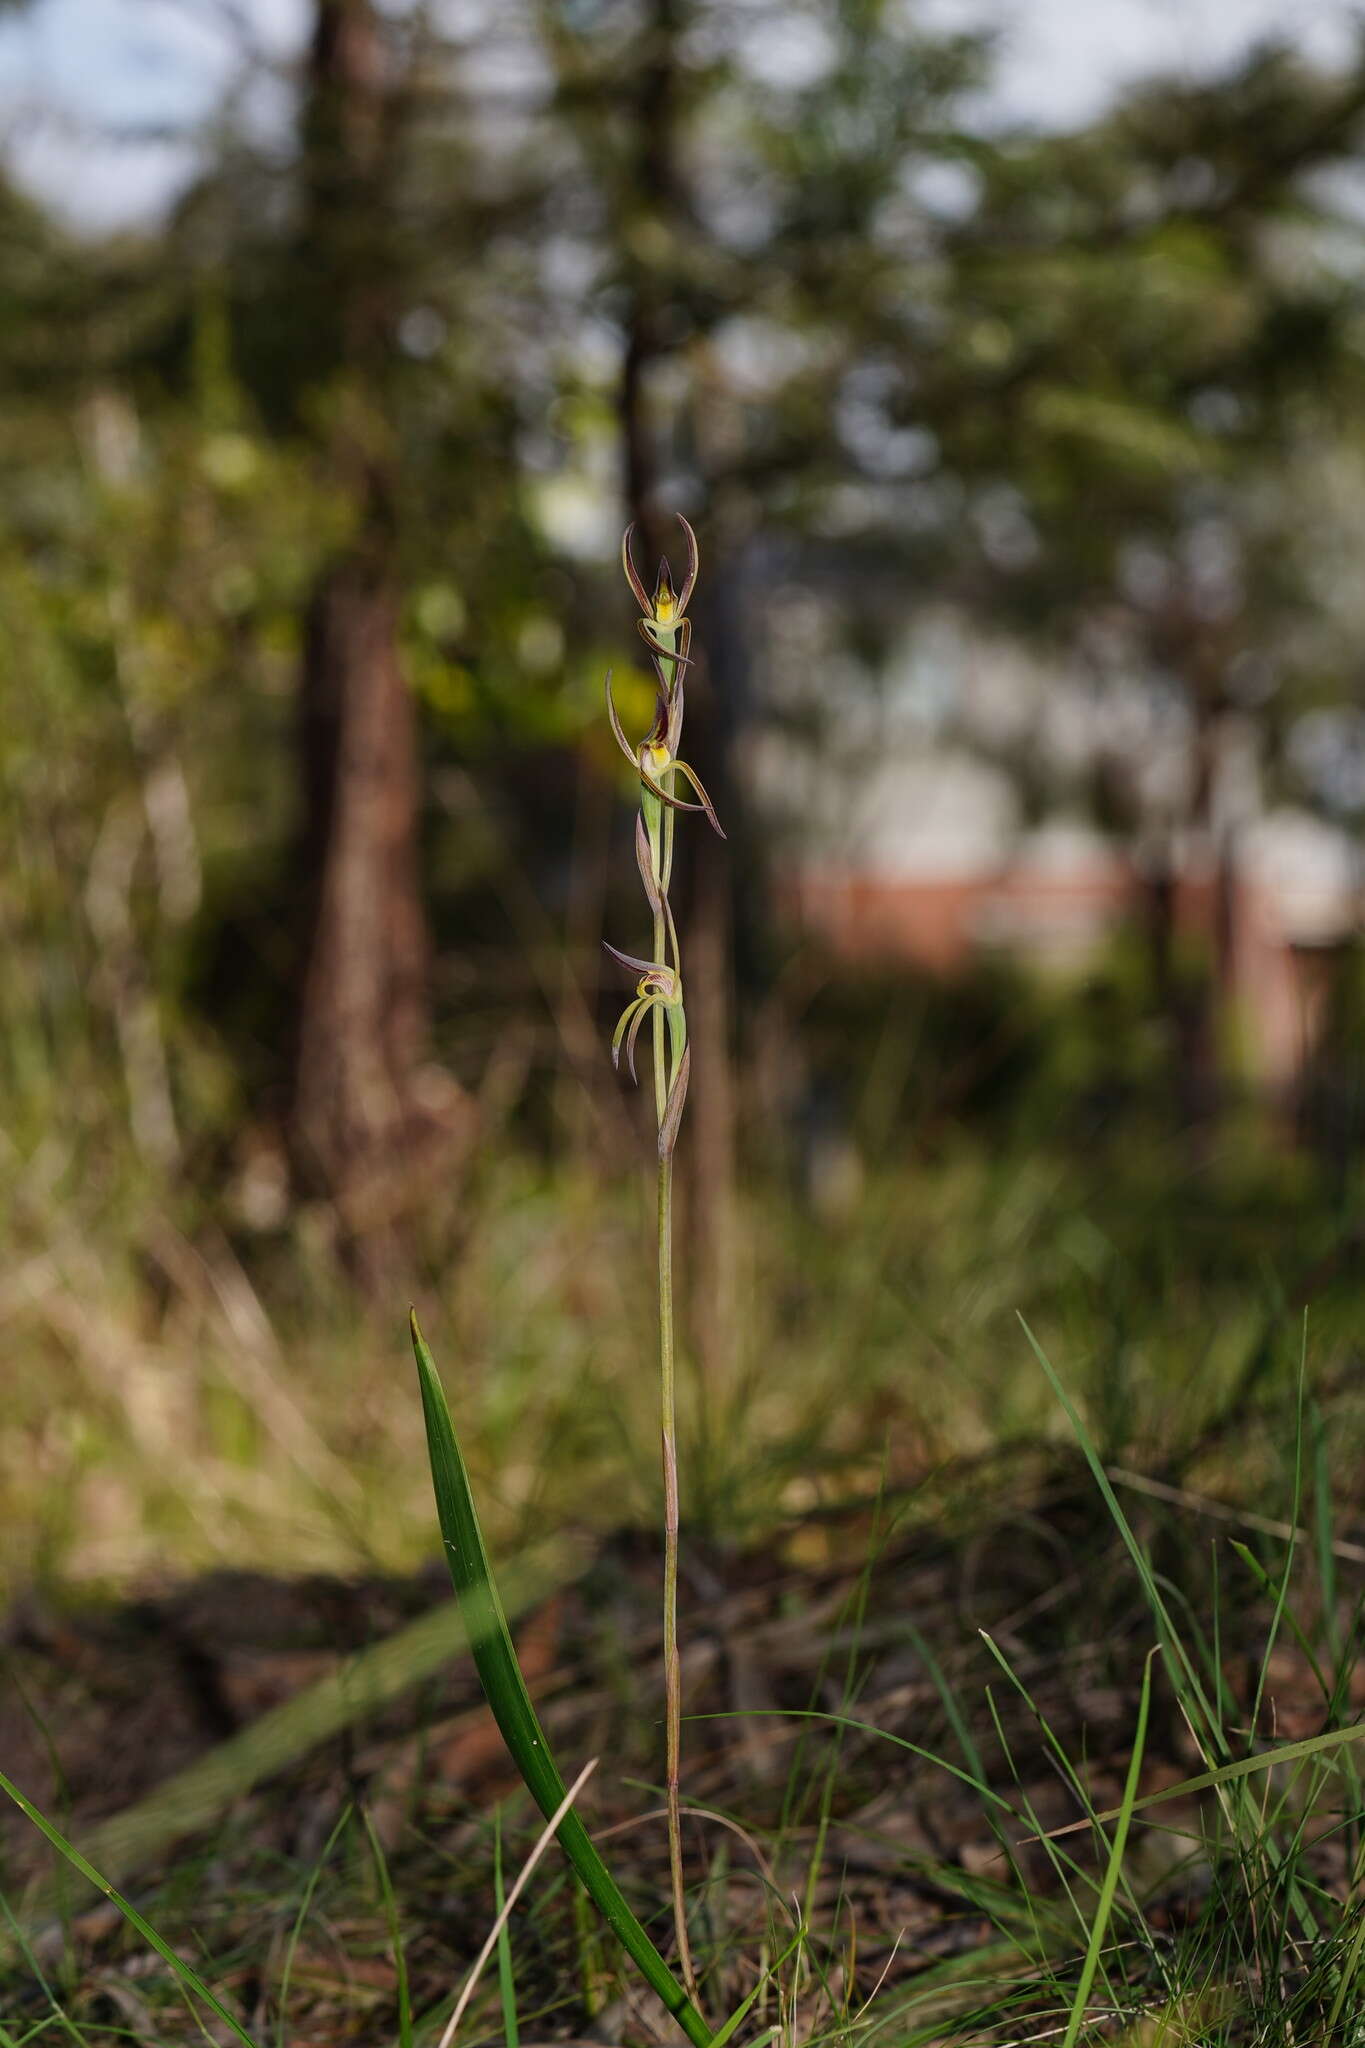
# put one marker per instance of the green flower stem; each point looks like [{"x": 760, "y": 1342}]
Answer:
[
  {"x": 672, "y": 1662},
  {"x": 666, "y": 1055}
]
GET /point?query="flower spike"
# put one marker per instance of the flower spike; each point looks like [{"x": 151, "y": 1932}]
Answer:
[{"x": 667, "y": 632}]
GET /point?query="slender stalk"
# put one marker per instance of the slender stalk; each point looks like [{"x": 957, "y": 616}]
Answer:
[
  {"x": 672, "y": 1662},
  {"x": 668, "y": 1441}
]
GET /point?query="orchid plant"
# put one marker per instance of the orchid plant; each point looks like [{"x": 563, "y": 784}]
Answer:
[
  {"x": 658, "y": 997},
  {"x": 667, "y": 632}
]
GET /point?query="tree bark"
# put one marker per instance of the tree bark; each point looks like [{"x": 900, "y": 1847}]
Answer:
[
  {"x": 362, "y": 1013},
  {"x": 362, "y": 1007}
]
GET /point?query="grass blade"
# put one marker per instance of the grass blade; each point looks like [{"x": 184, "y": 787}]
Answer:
[
  {"x": 1245, "y": 1767},
  {"x": 395, "y": 1926},
  {"x": 296, "y": 1932},
  {"x": 189, "y": 1979},
  {"x": 1105, "y": 1903},
  {"x": 741, "y": 2012},
  {"x": 507, "y": 1983},
  {"x": 491, "y": 1644},
  {"x": 58, "y": 2018},
  {"x": 1194, "y": 1703}
]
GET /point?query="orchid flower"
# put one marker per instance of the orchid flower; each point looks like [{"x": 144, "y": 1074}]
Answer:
[
  {"x": 665, "y": 630},
  {"x": 657, "y": 752},
  {"x": 658, "y": 987}
]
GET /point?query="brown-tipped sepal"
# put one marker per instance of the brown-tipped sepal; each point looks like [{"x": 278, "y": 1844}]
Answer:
[
  {"x": 628, "y": 564},
  {"x": 678, "y": 803},
  {"x": 617, "y": 728},
  {"x": 693, "y": 564}
]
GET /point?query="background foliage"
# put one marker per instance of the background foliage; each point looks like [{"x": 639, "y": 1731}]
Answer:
[{"x": 494, "y": 286}]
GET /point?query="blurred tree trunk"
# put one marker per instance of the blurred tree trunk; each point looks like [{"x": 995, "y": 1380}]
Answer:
[
  {"x": 1202, "y": 1002},
  {"x": 652, "y": 222},
  {"x": 362, "y": 1018}
]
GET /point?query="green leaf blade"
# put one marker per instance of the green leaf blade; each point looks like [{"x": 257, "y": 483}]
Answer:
[{"x": 495, "y": 1660}]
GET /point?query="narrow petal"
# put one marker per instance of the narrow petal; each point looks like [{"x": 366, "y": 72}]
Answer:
[
  {"x": 632, "y": 576},
  {"x": 620, "y": 1032},
  {"x": 675, "y": 803},
  {"x": 629, "y": 961},
  {"x": 693, "y": 564},
  {"x": 622, "y": 742},
  {"x": 706, "y": 803},
  {"x": 666, "y": 653},
  {"x": 646, "y": 1004}
]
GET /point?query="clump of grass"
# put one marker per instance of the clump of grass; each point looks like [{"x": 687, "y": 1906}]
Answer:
[{"x": 888, "y": 1716}]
